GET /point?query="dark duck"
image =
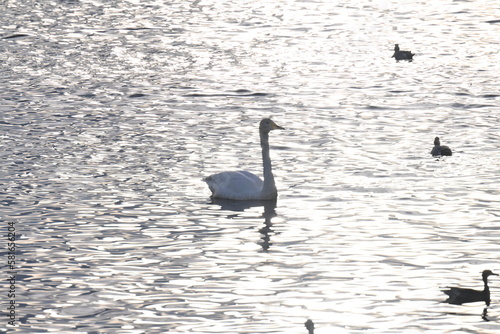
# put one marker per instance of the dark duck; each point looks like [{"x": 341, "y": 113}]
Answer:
[
  {"x": 402, "y": 55},
  {"x": 439, "y": 149},
  {"x": 310, "y": 326},
  {"x": 459, "y": 296}
]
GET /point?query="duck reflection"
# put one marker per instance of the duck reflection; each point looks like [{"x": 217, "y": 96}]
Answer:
[
  {"x": 484, "y": 315},
  {"x": 269, "y": 212}
]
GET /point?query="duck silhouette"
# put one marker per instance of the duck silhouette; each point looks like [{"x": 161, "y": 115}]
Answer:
[
  {"x": 402, "y": 55},
  {"x": 310, "y": 326},
  {"x": 440, "y": 150},
  {"x": 459, "y": 296}
]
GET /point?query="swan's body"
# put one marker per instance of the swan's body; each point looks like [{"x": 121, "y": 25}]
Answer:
[
  {"x": 402, "y": 55},
  {"x": 243, "y": 185},
  {"x": 240, "y": 185},
  {"x": 459, "y": 296},
  {"x": 439, "y": 149}
]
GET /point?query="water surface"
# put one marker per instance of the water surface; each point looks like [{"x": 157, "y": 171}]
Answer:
[{"x": 112, "y": 112}]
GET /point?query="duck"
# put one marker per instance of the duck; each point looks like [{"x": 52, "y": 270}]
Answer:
[
  {"x": 243, "y": 185},
  {"x": 459, "y": 296},
  {"x": 310, "y": 326},
  {"x": 402, "y": 55},
  {"x": 439, "y": 149}
]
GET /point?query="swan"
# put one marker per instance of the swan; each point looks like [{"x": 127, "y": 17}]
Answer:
[
  {"x": 402, "y": 55},
  {"x": 459, "y": 296},
  {"x": 243, "y": 185},
  {"x": 440, "y": 150}
]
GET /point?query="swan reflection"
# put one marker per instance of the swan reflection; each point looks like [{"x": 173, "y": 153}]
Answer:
[{"x": 269, "y": 212}]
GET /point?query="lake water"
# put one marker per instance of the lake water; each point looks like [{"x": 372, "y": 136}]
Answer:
[{"x": 113, "y": 111}]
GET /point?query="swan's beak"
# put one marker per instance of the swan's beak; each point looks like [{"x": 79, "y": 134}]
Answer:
[{"x": 274, "y": 126}]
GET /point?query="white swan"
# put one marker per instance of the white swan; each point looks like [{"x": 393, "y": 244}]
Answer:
[{"x": 243, "y": 185}]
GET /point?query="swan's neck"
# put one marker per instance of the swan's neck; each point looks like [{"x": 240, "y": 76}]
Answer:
[{"x": 269, "y": 188}]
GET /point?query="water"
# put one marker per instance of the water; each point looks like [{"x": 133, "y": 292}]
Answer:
[{"x": 113, "y": 111}]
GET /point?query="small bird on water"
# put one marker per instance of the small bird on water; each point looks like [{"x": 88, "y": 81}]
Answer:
[
  {"x": 402, "y": 55},
  {"x": 440, "y": 150},
  {"x": 459, "y": 296},
  {"x": 310, "y": 326}
]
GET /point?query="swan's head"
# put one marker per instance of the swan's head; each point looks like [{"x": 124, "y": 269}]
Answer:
[
  {"x": 437, "y": 142},
  {"x": 396, "y": 47},
  {"x": 266, "y": 125}
]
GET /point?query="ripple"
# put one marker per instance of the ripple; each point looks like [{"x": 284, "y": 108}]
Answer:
[{"x": 114, "y": 112}]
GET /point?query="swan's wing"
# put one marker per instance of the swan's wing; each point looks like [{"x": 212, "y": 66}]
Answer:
[{"x": 239, "y": 185}]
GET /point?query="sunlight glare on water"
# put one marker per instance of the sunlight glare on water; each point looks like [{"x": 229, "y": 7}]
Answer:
[{"x": 113, "y": 112}]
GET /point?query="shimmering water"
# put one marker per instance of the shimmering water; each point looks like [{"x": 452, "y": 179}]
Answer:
[{"x": 113, "y": 111}]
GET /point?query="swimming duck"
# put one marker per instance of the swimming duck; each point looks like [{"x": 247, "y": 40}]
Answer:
[
  {"x": 459, "y": 296},
  {"x": 440, "y": 150},
  {"x": 402, "y": 55},
  {"x": 310, "y": 326}
]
